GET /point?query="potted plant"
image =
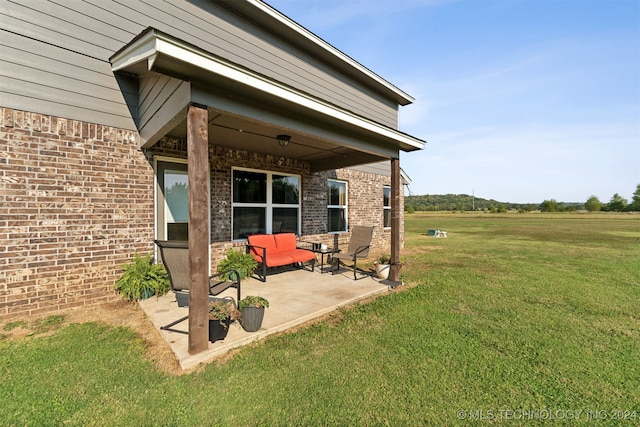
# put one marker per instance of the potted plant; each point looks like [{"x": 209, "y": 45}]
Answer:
[
  {"x": 239, "y": 261},
  {"x": 252, "y": 309},
  {"x": 142, "y": 279},
  {"x": 382, "y": 265},
  {"x": 222, "y": 311}
]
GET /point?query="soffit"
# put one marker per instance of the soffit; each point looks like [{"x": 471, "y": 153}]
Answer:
[{"x": 247, "y": 110}]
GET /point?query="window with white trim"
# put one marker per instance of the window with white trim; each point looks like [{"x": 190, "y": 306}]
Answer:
[
  {"x": 337, "y": 206},
  {"x": 264, "y": 202},
  {"x": 386, "y": 200}
]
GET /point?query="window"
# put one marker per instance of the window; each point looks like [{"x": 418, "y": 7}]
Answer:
[
  {"x": 265, "y": 202},
  {"x": 337, "y": 206},
  {"x": 386, "y": 196},
  {"x": 173, "y": 201}
]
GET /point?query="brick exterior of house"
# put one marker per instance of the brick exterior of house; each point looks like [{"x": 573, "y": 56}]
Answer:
[{"x": 77, "y": 202}]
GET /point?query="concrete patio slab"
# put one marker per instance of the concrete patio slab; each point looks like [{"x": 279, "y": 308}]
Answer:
[{"x": 295, "y": 297}]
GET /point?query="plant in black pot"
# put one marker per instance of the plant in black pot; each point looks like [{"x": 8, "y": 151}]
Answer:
[
  {"x": 222, "y": 311},
  {"x": 142, "y": 279},
  {"x": 252, "y": 309}
]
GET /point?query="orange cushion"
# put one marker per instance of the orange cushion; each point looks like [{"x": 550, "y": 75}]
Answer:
[
  {"x": 263, "y": 240},
  {"x": 281, "y": 249},
  {"x": 277, "y": 260},
  {"x": 302, "y": 255},
  {"x": 285, "y": 242}
]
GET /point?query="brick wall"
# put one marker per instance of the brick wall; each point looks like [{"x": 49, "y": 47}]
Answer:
[
  {"x": 76, "y": 201},
  {"x": 366, "y": 206},
  {"x": 365, "y": 196}
]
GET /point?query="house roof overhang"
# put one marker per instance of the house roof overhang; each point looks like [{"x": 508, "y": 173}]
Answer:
[
  {"x": 241, "y": 100},
  {"x": 259, "y": 11}
]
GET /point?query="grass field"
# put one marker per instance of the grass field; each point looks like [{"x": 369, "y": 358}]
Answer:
[{"x": 513, "y": 319}]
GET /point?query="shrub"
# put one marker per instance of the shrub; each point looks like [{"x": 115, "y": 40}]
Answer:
[
  {"x": 141, "y": 275},
  {"x": 383, "y": 259},
  {"x": 236, "y": 260},
  {"x": 253, "y": 301},
  {"x": 222, "y": 309}
]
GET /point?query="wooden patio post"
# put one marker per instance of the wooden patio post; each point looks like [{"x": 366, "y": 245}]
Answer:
[
  {"x": 394, "y": 271},
  {"x": 197, "y": 157}
]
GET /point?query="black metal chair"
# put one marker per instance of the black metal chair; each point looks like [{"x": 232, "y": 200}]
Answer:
[
  {"x": 358, "y": 248},
  {"x": 175, "y": 257}
]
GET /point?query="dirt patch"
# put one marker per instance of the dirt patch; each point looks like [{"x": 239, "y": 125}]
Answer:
[
  {"x": 119, "y": 313},
  {"x": 122, "y": 313}
]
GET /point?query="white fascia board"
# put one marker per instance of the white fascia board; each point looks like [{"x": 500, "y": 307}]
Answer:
[
  {"x": 153, "y": 44},
  {"x": 142, "y": 49},
  {"x": 255, "y": 81},
  {"x": 405, "y": 177},
  {"x": 265, "y": 8}
]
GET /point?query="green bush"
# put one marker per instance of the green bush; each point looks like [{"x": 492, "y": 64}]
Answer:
[
  {"x": 222, "y": 309},
  {"x": 253, "y": 301},
  {"x": 236, "y": 260},
  {"x": 141, "y": 275}
]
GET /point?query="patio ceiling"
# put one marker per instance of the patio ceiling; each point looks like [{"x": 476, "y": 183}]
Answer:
[
  {"x": 226, "y": 129},
  {"x": 247, "y": 110}
]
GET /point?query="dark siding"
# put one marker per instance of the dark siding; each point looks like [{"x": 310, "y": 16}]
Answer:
[
  {"x": 59, "y": 60},
  {"x": 39, "y": 77},
  {"x": 379, "y": 168}
]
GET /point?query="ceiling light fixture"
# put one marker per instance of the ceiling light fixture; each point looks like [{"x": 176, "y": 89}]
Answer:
[{"x": 283, "y": 140}]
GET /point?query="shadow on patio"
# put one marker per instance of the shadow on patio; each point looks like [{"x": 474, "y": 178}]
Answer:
[{"x": 295, "y": 297}]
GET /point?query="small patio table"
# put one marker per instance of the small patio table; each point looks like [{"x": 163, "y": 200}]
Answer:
[{"x": 322, "y": 253}]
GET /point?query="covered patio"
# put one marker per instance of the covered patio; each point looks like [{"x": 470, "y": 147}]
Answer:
[
  {"x": 177, "y": 89},
  {"x": 295, "y": 296}
]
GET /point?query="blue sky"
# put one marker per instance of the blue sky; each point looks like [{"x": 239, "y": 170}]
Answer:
[{"x": 519, "y": 100}]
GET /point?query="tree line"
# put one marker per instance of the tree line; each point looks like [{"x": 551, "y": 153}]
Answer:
[{"x": 465, "y": 202}]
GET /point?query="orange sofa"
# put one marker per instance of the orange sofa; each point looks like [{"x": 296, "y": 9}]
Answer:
[{"x": 277, "y": 250}]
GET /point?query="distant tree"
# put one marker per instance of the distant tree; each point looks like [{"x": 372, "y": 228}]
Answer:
[
  {"x": 593, "y": 204},
  {"x": 410, "y": 209},
  {"x": 502, "y": 208},
  {"x": 550, "y": 206},
  {"x": 616, "y": 204},
  {"x": 635, "y": 201},
  {"x": 527, "y": 208},
  {"x": 455, "y": 202}
]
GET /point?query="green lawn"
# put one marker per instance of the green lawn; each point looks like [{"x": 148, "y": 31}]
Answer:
[{"x": 513, "y": 319}]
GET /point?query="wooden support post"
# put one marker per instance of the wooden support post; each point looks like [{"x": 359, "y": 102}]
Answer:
[
  {"x": 394, "y": 271},
  {"x": 198, "y": 164}
]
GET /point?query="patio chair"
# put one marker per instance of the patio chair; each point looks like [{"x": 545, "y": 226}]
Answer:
[
  {"x": 175, "y": 257},
  {"x": 358, "y": 248}
]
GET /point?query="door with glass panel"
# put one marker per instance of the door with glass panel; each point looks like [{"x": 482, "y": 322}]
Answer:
[{"x": 173, "y": 201}]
